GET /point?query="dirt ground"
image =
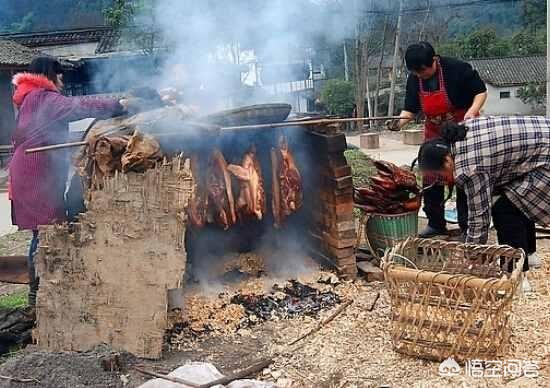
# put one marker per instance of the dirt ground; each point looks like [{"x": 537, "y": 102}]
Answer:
[
  {"x": 11, "y": 245},
  {"x": 354, "y": 350}
]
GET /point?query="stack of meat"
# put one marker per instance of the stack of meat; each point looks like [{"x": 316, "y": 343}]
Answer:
[
  {"x": 215, "y": 203},
  {"x": 392, "y": 191}
]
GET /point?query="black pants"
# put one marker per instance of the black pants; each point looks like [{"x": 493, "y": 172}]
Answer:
[
  {"x": 435, "y": 208},
  {"x": 514, "y": 228},
  {"x": 33, "y": 279}
]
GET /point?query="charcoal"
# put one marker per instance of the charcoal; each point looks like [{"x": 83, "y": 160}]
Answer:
[{"x": 299, "y": 299}]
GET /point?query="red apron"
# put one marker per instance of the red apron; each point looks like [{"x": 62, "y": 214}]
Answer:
[{"x": 437, "y": 107}]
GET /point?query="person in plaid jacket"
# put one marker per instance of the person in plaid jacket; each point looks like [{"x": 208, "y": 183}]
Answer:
[{"x": 503, "y": 166}]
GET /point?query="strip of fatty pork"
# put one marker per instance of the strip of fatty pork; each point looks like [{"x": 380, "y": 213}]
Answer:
[
  {"x": 218, "y": 183},
  {"x": 275, "y": 188},
  {"x": 251, "y": 200},
  {"x": 198, "y": 204},
  {"x": 288, "y": 187}
]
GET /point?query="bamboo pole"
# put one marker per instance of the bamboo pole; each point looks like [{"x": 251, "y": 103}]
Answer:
[{"x": 233, "y": 128}]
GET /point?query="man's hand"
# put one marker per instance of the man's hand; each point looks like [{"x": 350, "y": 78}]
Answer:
[
  {"x": 471, "y": 114},
  {"x": 392, "y": 125}
]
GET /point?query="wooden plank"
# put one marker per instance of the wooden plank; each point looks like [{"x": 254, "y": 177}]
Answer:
[
  {"x": 13, "y": 269},
  {"x": 372, "y": 272},
  {"x": 338, "y": 183}
]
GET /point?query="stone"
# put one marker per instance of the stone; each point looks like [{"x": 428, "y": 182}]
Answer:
[
  {"x": 369, "y": 141},
  {"x": 413, "y": 136}
]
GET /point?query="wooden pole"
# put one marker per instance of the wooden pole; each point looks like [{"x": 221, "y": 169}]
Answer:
[
  {"x": 338, "y": 311},
  {"x": 55, "y": 147},
  {"x": 239, "y": 127},
  {"x": 176, "y": 380}
]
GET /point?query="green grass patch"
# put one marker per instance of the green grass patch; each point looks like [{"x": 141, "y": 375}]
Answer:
[
  {"x": 361, "y": 166},
  {"x": 15, "y": 300}
]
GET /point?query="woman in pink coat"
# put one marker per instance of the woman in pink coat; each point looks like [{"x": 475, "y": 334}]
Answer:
[{"x": 37, "y": 181}]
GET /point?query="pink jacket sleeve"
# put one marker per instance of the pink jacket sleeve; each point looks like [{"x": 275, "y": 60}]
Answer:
[{"x": 78, "y": 108}]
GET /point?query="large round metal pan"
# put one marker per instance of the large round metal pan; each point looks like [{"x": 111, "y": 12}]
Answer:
[{"x": 250, "y": 115}]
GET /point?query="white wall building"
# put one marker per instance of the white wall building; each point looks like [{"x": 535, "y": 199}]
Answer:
[{"x": 504, "y": 77}]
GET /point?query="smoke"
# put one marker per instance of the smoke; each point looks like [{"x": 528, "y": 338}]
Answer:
[{"x": 223, "y": 54}]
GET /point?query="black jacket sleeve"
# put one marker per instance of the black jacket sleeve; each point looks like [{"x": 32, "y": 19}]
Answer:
[
  {"x": 412, "y": 99},
  {"x": 472, "y": 81}
]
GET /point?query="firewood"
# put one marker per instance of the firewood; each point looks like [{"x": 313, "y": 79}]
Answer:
[
  {"x": 176, "y": 380},
  {"x": 255, "y": 368},
  {"x": 324, "y": 322}
]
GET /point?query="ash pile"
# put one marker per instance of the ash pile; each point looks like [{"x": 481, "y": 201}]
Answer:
[{"x": 250, "y": 304}]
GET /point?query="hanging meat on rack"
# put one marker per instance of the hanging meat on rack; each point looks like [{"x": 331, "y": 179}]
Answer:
[
  {"x": 221, "y": 204},
  {"x": 286, "y": 182},
  {"x": 251, "y": 199},
  {"x": 393, "y": 190}
]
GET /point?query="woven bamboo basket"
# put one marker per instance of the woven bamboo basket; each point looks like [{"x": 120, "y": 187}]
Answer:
[{"x": 451, "y": 299}]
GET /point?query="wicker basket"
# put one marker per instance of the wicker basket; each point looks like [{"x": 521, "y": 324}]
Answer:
[
  {"x": 383, "y": 231},
  {"x": 455, "y": 302}
]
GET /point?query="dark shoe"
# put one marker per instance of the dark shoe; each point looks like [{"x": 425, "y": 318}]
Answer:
[{"x": 432, "y": 232}]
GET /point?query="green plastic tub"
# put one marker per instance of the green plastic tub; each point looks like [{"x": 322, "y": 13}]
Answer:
[{"x": 383, "y": 231}]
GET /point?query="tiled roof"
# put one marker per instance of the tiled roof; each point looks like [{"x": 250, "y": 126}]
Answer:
[
  {"x": 62, "y": 37},
  {"x": 511, "y": 71},
  {"x": 15, "y": 54}
]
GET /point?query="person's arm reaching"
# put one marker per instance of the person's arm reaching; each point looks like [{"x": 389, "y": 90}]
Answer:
[
  {"x": 474, "y": 85},
  {"x": 78, "y": 108},
  {"x": 478, "y": 191},
  {"x": 479, "y": 101},
  {"x": 412, "y": 105}
]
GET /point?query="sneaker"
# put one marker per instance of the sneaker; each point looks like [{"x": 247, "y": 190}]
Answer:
[
  {"x": 534, "y": 260},
  {"x": 432, "y": 232},
  {"x": 525, "y": 285}
]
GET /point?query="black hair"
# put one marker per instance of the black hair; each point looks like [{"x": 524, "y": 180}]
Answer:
[
  {"x": 432, "y": 153},
  {"x": 47, "y": 66},
  {"x": 419, "y": 55}
]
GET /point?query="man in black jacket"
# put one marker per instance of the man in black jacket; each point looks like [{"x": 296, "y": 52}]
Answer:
[{"x": 442, "y": 89}]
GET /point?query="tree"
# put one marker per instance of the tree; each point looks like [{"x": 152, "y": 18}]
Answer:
[
  {"x": 395, "y": 60},
  {"x": 534, "y": 94},
  {"x": 120, "y": 14},
  {"x": 338, "y": 96},
  {"x": 528, "y": 42},
  {"x": 533, "y": 14}
]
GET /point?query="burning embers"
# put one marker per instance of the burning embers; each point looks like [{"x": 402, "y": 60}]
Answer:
[
  {"x": 214, "y": 201},
  {"x": 288, "y": 301},
  {"x": 229, "y": 313}
]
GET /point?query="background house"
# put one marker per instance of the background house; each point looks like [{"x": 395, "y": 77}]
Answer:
[
  {"x": 13, "y": 58},
  {"x": 504, "y": 77}
]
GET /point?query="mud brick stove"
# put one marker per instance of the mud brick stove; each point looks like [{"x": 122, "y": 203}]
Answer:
[{"x": 105, "y": 278}]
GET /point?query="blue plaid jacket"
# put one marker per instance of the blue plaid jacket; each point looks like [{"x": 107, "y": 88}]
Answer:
[{"x": 509, "y": 156}]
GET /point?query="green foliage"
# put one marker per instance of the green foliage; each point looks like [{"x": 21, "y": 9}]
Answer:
[
  {"x": 533, "y": 14},
  {"x": 485, "y": 43},
  {"x": 533, "y": 94},
  {"x": 528, "y": 42},
  {"x": 120, "y": 14},
  {"x": 361, "y": 166},
  {"x": 18, "y": 299},
  {"x": 338, "y": 96}
]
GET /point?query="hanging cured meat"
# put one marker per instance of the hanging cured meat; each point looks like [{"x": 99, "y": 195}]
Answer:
[
  {"x": 221, "y": 204},
  {"x": 286, "y": 182},
  {"x": 251, "y": 199}
]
